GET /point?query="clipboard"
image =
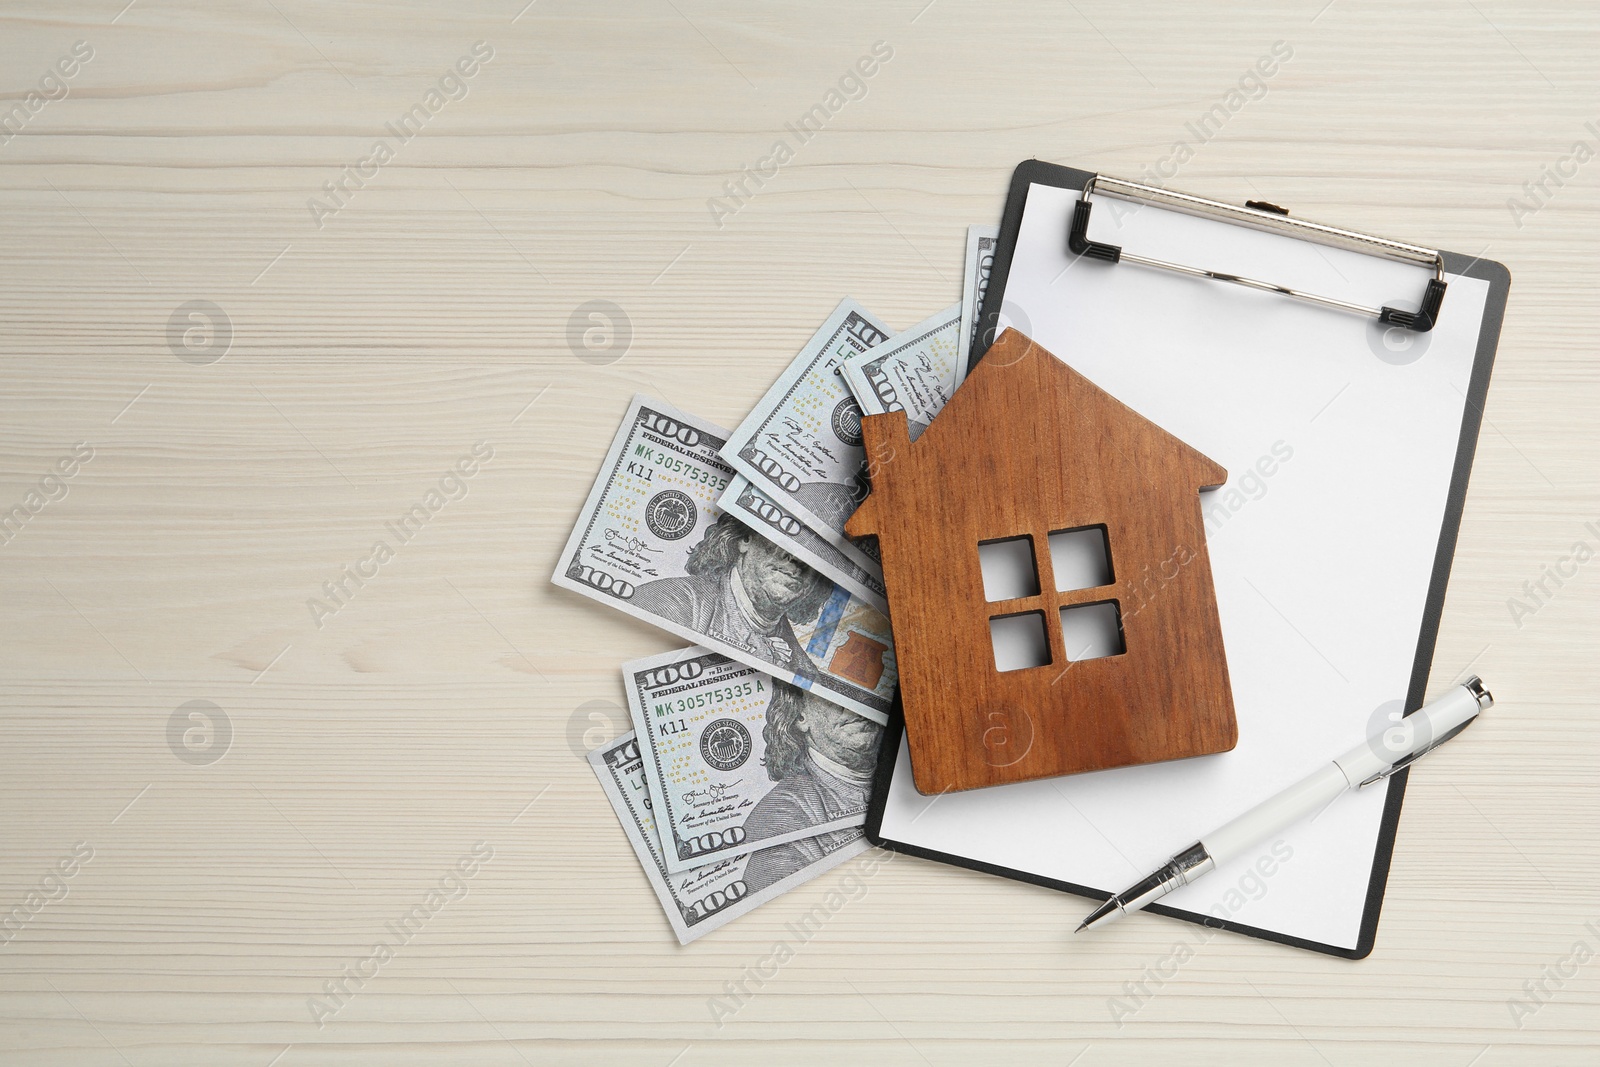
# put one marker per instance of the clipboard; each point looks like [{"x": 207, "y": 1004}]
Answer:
[{"x": 1112, "y": 289}]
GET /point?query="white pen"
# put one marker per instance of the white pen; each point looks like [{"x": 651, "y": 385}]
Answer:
[{"x": 1371, "y": 761}]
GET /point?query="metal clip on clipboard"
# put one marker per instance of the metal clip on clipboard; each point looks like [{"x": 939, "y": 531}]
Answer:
[{"x": 1272, "y": 219}]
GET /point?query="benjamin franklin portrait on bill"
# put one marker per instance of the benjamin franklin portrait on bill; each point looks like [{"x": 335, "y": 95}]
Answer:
[
  {"x": 743, "y": 590},
  {"x": 822, "y": 758}
]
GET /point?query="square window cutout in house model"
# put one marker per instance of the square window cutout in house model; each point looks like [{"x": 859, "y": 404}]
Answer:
[{"x": 1044, "y": 551}]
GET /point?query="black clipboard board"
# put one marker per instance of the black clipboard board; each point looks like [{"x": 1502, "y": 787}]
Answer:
[{"x": 1037, "y": 172}]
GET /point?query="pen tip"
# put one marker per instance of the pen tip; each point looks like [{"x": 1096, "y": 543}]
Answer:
[{"x": 1081, "y": 928}]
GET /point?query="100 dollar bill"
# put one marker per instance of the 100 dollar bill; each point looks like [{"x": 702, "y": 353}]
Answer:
[
  {"x": 801, "y": 444},
  {"x": 701, "y": 900},
  {"x": 651, "y": 541},
  {"x": 760, "y": 512},
  {"x": 915, "y": 371},
  {"x": 981, "y": 243},
  {"x": 738, "y": 761}
]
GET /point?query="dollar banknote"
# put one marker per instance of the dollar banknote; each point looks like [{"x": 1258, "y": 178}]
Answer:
[
  {"x": 981, "y": 241},
  {"x": 801, "y": 444},
  {"x": 738, "y": 761},
  {"x": 652, "y": 542},
  {"x": 759, "y": 511},
  {"x": 914, "y": 371},
  {"x": 705, "y": 898}
]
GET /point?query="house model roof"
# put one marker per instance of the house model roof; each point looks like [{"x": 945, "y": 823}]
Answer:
[{"x": 997, "y": 404}]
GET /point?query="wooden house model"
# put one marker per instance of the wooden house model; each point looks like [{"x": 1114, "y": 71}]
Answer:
[{"x": 1032, "y": 459}]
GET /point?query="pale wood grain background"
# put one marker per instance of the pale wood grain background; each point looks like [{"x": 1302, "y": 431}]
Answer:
[{"x": 369, "y": 354}]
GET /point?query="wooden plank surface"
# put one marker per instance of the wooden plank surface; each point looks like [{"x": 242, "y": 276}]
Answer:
[{"x": 371, "y": 343}]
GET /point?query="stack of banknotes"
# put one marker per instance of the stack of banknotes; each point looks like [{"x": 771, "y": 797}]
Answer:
[{"x": 749, "y": 768}]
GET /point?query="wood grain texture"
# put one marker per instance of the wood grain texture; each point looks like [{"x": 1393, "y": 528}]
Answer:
[
  {"x": 1025, "y": 448},
  {"x": 458, "y": 687}
]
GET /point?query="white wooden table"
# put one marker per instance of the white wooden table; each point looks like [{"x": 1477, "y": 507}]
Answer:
[{"x": 349, "y": 355}]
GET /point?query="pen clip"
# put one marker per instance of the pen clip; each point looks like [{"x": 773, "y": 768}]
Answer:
[{"x": 1405, "y": 761}]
